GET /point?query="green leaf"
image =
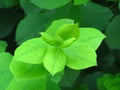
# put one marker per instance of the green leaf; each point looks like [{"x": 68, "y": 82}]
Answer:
[
  {"x": 33, "y": 84},
  {"x": 57, "y": 77},
  {"x": 108, "y": 82},
  {"x": 8, "y": 3},
  {"x": 119, "y": 6},
  {"x": 77, "y": 2},
  {"x": 47, "y": 4},
  {"x": 5, "y": 74},
  {"x": 112, "y": 33},
  {"x": 67, "y": 42},
  {"x": 9, "y": 19},
  {"x": 68, "y": 11},
  {"x": 3, "y": 46},
  {"x": 55, "y": 41},
  {"x": 91, "y": 37},
  {"x": 91, "y": 79},
  {"x": 28, "y": 84},
  {"x": 30, "y": 27},
  {"x": 24, "y": 70},
  {"x": 69, "y": 77},
  {"x": 28, "y": 6},
  {"x": 80, "y": 56},
  {"x": 31, "y": 51},
  {"x": 68, "y": 31},
  {"x": 52, "y": 29},
  {"x": 54, "y": 60},
  {"x": 94, "y": 15}
]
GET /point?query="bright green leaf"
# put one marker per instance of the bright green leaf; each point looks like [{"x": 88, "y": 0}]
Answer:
[
  {"x": 3, "y": 46},
  {"x": 31, "y": 51},
  {"x": 30, "y": 27},
  {"x": 47, "y": 4},
  {"x": 24, "y": 70},
  {"x": 112, "y": 33},
  {"x": 77, "y": 2},
  {"x": 57, "y": 24},
  {"x": 91, "y": 37},
  {"x": 80, "y": 56},
  {"x": 67, "y": 42},
  {"x": 67, "y": 31},
  {"x": 55, "y": 41},
  {"x": 28, "y": 84},
  {"x": 54, "y": 60},
  {"x": 33, "y": 84},
  {"x": 5, "y": 74}
]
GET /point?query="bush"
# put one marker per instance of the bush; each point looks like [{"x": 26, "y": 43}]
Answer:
[{"x": 59, "y": 45}]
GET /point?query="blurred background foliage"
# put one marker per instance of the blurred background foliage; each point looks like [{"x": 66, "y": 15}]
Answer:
[{"x": 21, "y": 20}]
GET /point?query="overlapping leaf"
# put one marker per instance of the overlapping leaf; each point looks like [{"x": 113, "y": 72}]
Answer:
[
  {"x": 54, "y": 60},
  {"x": 31, "y": 51},
  {"x": 5, "y": 74},
  {"x": 112, "y": 33},
  {"x": 47, "y": 4},
  {"x": 77, "y": 2},
  {"x": 30, "y": 27},
  {"x": 3, "y": 46},
  {"x": 80, "y": 56},
  {"x": 91, "y": 37}
]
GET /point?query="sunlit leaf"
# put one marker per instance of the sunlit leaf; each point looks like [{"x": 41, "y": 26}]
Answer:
[
  {"x": 24, "y": 70},
  {"x": 80, "y": 56},
  {"x": 55, "y": 25},
  {"x": 91, "y": 37},
  {"x": 54, "y": 60},
  {"x": 31, "y": 51}
]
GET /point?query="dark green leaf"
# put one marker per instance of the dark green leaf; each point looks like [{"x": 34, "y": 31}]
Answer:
[
  {"x": 28, "y": 6},
  {"x": 112, "y": 33},
  {"x": 69, "y": 77},
  {"x": 8, "y": 3},
  {"x": 47, "y": 4},
  {"x": 30, "y": 27},
  {"x": 94, "y": 15},
  {"x": 108, "y": 82},
  {"x": 9, "y": 19},
  {"x": 119, "y": 6},
  {"x": 77, "y": 2}
]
